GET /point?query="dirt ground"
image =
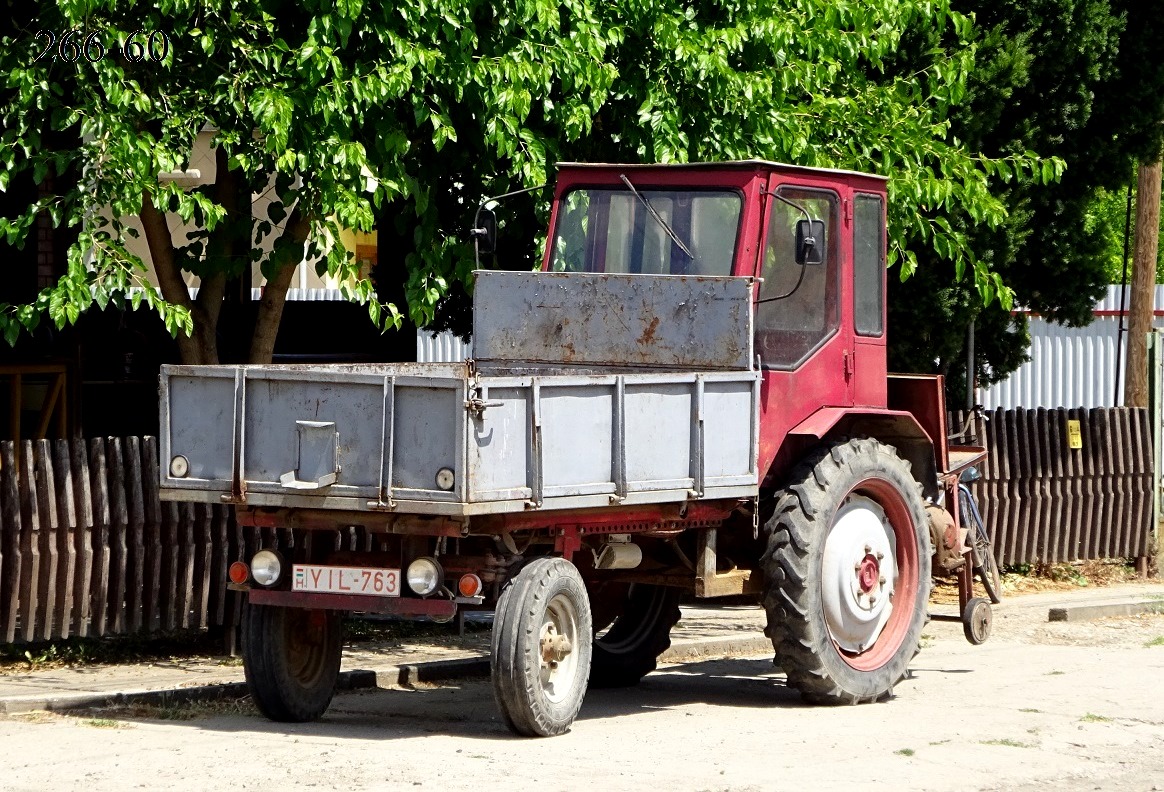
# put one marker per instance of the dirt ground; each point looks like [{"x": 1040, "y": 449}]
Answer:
[{"x": 1074, "y": 705}]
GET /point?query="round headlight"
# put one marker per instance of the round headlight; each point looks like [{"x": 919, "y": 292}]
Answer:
[
  {"x": 445, "y": 478},
  {"x": 424, "y": 576},
  {"x": 266, "y": 566},
  {"x": 179, "y": 466}
]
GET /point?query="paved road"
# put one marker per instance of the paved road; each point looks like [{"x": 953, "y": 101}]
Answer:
[{"x": 1079, "y": 706}]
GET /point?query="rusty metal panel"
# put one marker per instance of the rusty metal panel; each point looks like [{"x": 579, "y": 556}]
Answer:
[{"x": 601, "y": 319}]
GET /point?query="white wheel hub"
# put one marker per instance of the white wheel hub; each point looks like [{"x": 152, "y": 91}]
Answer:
[
  {"x": 859, "y": 573},
  {"x": 557, "y": 639}
]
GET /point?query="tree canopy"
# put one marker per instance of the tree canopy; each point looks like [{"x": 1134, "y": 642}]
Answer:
[
  {"x": 354, "y": 114},
  {"x": 1082, "y": 80}
]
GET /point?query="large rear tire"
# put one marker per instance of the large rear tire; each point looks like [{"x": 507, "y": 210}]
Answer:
[
  {"x": 291, "y": 657},
  {"x": 641, "y": 632},
  {"x": 848, "y": 573},
  {"x": 541, "y": 648}
]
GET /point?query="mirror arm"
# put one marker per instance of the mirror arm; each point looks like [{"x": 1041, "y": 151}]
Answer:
[{"x": 477, "y": 232}]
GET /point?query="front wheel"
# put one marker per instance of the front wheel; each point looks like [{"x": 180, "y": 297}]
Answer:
[
  {"x": 291, "y": 657},
  {"x": 541, "y": 648},
  {"x": 848, "y": 573}
]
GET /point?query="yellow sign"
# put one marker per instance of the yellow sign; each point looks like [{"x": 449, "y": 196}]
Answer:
[{"x": 1074, "y": 436}]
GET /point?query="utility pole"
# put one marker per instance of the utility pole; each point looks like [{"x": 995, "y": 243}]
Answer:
[{"x": 1143, "y": 284}]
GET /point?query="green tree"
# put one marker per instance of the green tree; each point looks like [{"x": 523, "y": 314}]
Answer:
[
  {"x": 407, "y": 113},
  {"x": 1067, "y": 78}
]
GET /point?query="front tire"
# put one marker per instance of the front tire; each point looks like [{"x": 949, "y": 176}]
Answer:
[
  {"x": 291, "y": 657},
  {"x": 541, "y": 648},
  {"x": 848, "y": 573}
]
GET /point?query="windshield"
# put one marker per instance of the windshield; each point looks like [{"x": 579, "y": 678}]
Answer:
[{"x": 610, "y": 230}]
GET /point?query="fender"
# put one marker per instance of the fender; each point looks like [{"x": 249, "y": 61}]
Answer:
[{"x": 898, "y": 428}]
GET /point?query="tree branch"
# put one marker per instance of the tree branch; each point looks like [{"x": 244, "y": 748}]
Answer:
[{"x": 174, "y": 291}]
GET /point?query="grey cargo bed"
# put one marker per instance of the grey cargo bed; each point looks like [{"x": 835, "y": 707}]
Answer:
[{"x": 628, "y": 389}]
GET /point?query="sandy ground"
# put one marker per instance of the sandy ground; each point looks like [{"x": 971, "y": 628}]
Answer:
[{"x": 1079, "y": 706}]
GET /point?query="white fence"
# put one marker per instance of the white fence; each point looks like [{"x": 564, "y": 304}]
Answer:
[
  {"x": 443, "y": 347},
  {"x": 1071, "y": 366}
]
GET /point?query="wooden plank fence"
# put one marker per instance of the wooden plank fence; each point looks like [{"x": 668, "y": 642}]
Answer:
[
  {"x": 88, "y": 549},
  {"x": 1042, "y": 500}
]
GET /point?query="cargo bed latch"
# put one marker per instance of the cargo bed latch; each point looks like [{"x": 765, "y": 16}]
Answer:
[{"x": 477, "y": 405}]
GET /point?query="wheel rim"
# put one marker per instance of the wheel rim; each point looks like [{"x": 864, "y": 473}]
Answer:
[
  {"x": 870, "y": 575},
  {"x": 557, "y": 649},
  {"x": 306, "y": 641}
]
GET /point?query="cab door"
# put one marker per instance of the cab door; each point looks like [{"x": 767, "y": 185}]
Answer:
[{"x": 804, "y": 346}]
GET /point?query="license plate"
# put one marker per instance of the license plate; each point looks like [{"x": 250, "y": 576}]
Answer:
[{"x": 346, "y": 580}]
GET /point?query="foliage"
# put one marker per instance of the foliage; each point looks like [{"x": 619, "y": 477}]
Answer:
[
  {"x": 1068, "y": 78},
  {"x": 354, "y": 112}
]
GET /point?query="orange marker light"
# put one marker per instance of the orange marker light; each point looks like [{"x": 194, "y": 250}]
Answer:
[
  {"x": 469, "y": 585},
  {"x": 239, "y": 572}
]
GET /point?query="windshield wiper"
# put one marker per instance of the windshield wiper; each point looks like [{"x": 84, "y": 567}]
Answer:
[{"x": 658, "y": 217}]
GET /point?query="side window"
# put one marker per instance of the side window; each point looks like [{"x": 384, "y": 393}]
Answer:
[
  {"x": 799, "y": 303},
  {"x": 868, "y": 266}
]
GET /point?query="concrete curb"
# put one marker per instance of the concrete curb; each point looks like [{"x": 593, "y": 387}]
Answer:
[
  {"x": 392, "y": 676},
  {"x": 1079, "y": 613}
]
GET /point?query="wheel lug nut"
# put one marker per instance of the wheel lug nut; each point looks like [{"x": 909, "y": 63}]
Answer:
[
  {"x": 868, "y": 549},
  {"x": 882, "y": 580},
  {"x": 880, "y": 556}
]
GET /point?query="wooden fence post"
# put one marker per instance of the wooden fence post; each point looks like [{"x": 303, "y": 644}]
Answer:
[
  {"x": 135, "y": 500},
  {"x": 153, "y": 531},
  {"x": 66, "y": 528},
  {"x": 118, "y": 524},
  {"x": 11, "y": 592},
  {"x": 82, "y": 491}
]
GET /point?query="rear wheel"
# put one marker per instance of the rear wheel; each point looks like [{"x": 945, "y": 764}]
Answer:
[
  {"x": 976, "y": 620},
  {"x": 291, "y": 657},
  {"x": 641, "y": 632},
  {"x": 848, "y": 573},
  {"x": 541, "y": 648}
]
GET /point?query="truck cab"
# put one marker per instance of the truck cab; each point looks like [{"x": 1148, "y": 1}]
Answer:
[
  {"x": 820, "y": 320},
  {"x": 690, "y": 398}
]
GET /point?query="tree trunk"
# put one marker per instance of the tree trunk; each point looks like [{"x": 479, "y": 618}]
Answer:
[
  {"x": 191, "y": 349},
  {"x": 1143, "y": 285},
  {"x": 275, "y": 290}
]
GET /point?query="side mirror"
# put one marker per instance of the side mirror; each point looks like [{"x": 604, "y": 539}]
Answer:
[
  {"x": 484, "y": 234},
  {"x": 810, "y": 241},
  {"x": 969, "y": 475}
]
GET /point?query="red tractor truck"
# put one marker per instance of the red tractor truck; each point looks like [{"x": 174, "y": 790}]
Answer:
[{"x": 690, "y": 398}]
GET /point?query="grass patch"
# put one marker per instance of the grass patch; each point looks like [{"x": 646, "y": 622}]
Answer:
[
  {"x": 904, "y": 752},
  {"x": 1029, "y": 709},
  {"x": 1055, "y": 673},
  {"x": 103, "y": 723},
  {"x": 1006, "y": 742},
  {"x": 190, "y": 710},
  {"x": 1157, "y": 641},
  {"x": 939, "y": 742},
  {"x": 1093, "y": 718}
]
